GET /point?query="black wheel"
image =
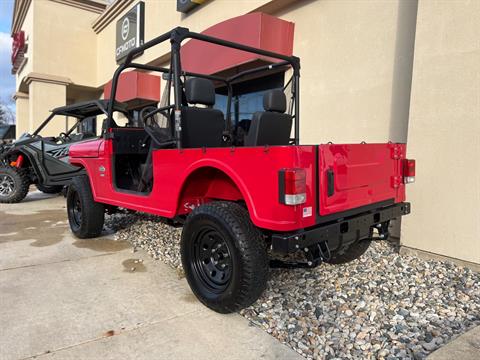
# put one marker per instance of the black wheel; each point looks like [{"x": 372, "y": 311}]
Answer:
[
  {"x": 55, "y": 189},
  {"x": 224, "y": 256},
  {"x": 353, "y": 252},
  {"x": 14, "y": 184},
  {"x": 85, "y": 216}
]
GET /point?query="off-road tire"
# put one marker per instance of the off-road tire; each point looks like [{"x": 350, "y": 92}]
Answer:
[
  {"x": 21, "y": 184},
  {"x": 54, "y": 189},
  {"x": 247, "y": 250},
  {"x": 353, "y": 252},
  {"x": 92, "y": 214}
]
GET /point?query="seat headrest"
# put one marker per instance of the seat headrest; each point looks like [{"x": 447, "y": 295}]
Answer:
[
  {"x": 200, "y": 91},
  {"x": 275, "y": 100}
]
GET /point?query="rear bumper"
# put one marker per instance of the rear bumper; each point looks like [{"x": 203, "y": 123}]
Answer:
[{"x": 339, "y": 232}]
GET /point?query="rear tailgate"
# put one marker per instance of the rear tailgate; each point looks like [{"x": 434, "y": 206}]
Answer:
[{"x": 355, "y": 175}]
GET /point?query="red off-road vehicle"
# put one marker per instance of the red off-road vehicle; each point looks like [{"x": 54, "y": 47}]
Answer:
[{"x": 237, "y": 191}]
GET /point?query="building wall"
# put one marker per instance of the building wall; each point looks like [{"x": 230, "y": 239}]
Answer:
[
  {"x": 65, "y": 42},
  {"x": 22, "y": 113},
  {"x": 444, "y": 131},
  {"x": 348, "y": 51},
  {"x": 30, "y": 38},
  {"x": 160, "y": 17},
  {"x": 46, "y": 97}
]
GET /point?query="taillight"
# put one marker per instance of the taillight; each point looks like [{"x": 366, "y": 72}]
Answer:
[
  {"x": 408, "y": 171},
  {"x": 292, "y": 184}
]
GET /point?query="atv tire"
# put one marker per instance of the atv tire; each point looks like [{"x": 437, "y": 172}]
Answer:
[
  {"x": 86, "y": 217},
  {"x": 224, "y": 256},
  {"x": 54, "y": 189},
  {"x": 14, "y": 184},
  {"x": 353, "y": 252}
]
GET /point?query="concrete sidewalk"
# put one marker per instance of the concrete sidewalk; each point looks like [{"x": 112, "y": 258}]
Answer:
[
  {"x": 66, "y": 298},
  {"x": 465, "y": 347}
]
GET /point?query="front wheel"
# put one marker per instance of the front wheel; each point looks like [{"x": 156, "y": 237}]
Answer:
[
  {"x": 224, "y": 256},
  {"x": 14, "y": 184},
  {"x": 85, "y": 216}
]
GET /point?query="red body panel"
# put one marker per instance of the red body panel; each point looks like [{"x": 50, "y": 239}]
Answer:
[
  {"x": 86, "y": 148},
  {"x": 364, "y": 174},
  {"x": 185, "y": 178}
]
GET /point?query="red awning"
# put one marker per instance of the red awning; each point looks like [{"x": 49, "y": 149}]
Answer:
[
  {"x": 257, "y": 30},
  {"x": 135, "y": 88}
]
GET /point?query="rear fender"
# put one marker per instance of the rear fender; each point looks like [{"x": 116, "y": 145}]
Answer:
[{"x": 204, "y": 185}]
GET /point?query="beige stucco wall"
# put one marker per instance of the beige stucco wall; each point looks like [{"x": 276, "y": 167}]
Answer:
[
  {"x": 348, "y": 54},
  {"x": 22, "y": 113},
  {"x": 65, "y": 42},
  {"x": 47, "y": 96},
  {"x": 444, "y": 131}
]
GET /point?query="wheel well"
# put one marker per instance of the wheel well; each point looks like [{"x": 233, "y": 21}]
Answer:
[
  {"x": 204, "y": 185},
  {"x": 26, "y": 160}
]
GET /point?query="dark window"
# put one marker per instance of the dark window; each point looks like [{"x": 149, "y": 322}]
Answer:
[
  {"x": 247, "y": 96},
  {"x": 88, "y": 126}
]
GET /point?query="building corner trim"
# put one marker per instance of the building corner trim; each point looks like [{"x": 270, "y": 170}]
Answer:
[
  {"x": 20, "y": 10},
  {"x": 52, "y": 79},
  {"x": 20, "y": 95}
]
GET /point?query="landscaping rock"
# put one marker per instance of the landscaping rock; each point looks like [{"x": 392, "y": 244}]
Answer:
[{"x": 383, "y": 305}]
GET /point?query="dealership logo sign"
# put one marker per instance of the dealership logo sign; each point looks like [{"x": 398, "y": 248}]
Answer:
[
  {"x": 19, "y": 48},
  {"x": 130, "y": 31},
  {"x": 125, "y": 28}
]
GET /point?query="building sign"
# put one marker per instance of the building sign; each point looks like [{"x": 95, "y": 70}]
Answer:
[
  {"x": 130, "y": 31},
  {"x": 18, "y": 50},
  {"x": 184, "y": 6}
]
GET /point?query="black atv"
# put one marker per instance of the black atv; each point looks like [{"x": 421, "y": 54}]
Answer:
[{"x": 43, "y": 161}]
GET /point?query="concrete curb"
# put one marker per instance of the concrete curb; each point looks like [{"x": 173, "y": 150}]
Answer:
[{"x": 465, "y": 347}]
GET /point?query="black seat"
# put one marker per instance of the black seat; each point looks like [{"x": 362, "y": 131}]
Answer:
[
  {"x": 272, "y": 126},
  {"x": 201, "y": 126}
]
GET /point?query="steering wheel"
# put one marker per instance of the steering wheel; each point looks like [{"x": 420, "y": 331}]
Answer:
[
  {"x": 147, "y": 115},
  {"x": 64, "y": 137}
]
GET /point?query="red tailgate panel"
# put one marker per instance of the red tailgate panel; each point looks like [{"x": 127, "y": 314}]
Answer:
[{"x": 363, "y": 174}]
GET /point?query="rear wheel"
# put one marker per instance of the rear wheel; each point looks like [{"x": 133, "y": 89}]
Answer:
[
  {"x": 14, "y": 184},
  {"x": 86, "y": 217},
  {"x": 55, "y": 189},
  {"x": 224, "y": 257}
]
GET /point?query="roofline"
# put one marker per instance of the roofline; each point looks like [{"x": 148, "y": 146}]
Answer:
[
  {"x": 110, "y": 14},
  {"x": 21, "y": 7},
  {"x": 96, "y": 6}
]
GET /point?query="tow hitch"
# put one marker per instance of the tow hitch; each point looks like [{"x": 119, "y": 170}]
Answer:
[
  {"x": 314, "y": 254},
  {"x": 383, "y": 233}
]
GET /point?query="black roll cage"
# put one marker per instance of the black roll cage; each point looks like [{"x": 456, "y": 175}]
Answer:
[
  {"x": 176, "y": 37},
  {"x": 96, "y": 107}
]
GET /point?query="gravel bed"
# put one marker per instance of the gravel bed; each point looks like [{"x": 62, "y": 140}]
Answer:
[{"x": 382, "y": 305}]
